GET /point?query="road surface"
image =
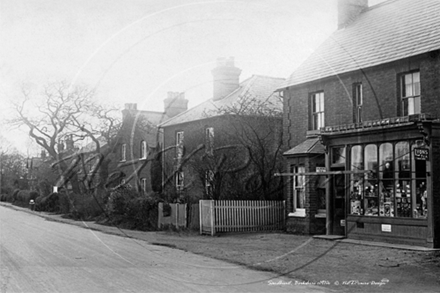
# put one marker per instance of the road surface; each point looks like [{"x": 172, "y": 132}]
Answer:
[{"x": 37, "y": 255}]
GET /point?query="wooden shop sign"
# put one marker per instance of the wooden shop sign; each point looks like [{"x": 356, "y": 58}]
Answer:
[{"x": 421, "y": 154}]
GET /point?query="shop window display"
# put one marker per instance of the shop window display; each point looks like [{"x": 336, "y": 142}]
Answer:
[
  {"x": 420, "y": 209},
  {"x": 403, "y": 184},
  {"x": 395, "y": 185},
  {"x": 357, "y": 164},
  {"x": 386, "y": 183}
]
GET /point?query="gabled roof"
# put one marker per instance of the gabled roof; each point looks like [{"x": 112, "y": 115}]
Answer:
[
  {"x": 309, "y": 146},
  {"x": 386, "y": 32},
  {"x": 258, "y": 87}
]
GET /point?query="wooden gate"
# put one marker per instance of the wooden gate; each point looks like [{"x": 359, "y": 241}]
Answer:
[
  {"x": 241, "y": 215},
  {"x": 207, "y": 217},
  {"x": 177, "y": 217}
]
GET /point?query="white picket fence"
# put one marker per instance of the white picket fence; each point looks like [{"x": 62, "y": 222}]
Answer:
[{"x": 241, "y": 215}]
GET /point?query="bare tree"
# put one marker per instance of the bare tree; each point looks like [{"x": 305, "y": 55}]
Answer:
[
  {"x": 100, "y": 125},
  {"x": 256, "y": 125},
  {"x": 62, "y": 116}
]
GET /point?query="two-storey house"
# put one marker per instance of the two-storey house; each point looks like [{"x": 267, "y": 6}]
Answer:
[
  {"x": 361, "y": 121},
  {"x": 227, "y": 147},
  {"x": 138, "y": 137}
]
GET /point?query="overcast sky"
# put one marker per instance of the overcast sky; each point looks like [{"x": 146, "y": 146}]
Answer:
[{"x": 135, "y": 51}]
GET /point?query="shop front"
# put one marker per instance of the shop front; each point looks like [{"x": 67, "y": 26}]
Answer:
[{"x": 381, "y": 181}]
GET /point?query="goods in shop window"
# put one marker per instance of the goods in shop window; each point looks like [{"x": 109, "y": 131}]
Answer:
[
  {"x": 371, "y": 208},
  {"x": 388, "y": 209},
  {"x": 356, "y": 207}
]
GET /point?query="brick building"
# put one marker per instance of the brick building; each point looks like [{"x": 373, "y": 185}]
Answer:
[
  {"x": 208, "y": 148},
  {"x": 370, "y": 96},
  {"x": 138, "y": 137}
]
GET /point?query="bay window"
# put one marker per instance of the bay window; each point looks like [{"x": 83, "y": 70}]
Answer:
[{"x": 298, "y": 196}]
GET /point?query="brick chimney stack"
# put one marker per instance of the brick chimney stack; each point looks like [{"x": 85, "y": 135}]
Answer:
[
  {"x": 131, "y": 106},
  {"x": 349, "y": 10},
  {"x": 226, "y": 77},
  {"x": 175, "y": 104},
  {"x": 129, "y": 109}
]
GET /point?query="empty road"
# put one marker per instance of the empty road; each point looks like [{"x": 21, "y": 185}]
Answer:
[{"x": 37, "y": 255}]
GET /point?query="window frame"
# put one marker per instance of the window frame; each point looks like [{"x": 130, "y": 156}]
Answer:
[
  {"x": 317, "y": 110},
  {"x": 296, "y": 189},
  {"x": 143, "y": 150},
  {"x": 414, "y": 98},
  {"x": 180, "y": 180},
  {"x": 209, "y": 140},
  {"x": 179, "y": 146},
  {"x": 358, "y": 102},
  {"x": 123, "y": 152},
  {"x": 398, "y": 185}
]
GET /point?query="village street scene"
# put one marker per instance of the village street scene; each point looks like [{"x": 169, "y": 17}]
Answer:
[{"x": 220, "y": 146}]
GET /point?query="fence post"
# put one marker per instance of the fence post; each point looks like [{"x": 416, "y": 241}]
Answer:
[
  {"x": 200, "y": 217},
  {"x": 284, "y": 214},
  {"x": 212, "y": 217},
  {"x": 159, "y": 215},
  {"x": 177, "y": 216}
]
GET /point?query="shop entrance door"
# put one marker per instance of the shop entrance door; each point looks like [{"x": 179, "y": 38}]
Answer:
[{"x": 337, "y": 190}]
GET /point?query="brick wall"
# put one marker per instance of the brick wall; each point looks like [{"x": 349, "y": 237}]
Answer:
[
  {"x": 132, "y": 133},
  {"x": 381, "y": 99},
  {"x": 381, "y": 93},
  {"x": 224, "y": 133},
  {"x": 435, "y": 175}
]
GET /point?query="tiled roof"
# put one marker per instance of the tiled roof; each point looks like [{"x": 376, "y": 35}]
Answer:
[
  {"x": 309, "y": 146},
  {"x": 386, "y": 32},
  {"x": 258, "y": 87}
]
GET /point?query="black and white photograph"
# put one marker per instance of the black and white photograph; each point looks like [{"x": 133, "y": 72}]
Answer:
[{"x": 219, "y": 146}]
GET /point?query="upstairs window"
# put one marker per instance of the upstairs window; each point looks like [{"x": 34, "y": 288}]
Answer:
[
  {"x": 179, "y": 146},
  {"x": 124, "y": 152},
  {"x": 143, "y": 150},
  {"x": 317, "y": 110},
  {"x": 358, "y": 102},
  {"x": 209, "y": 140},
  {"x": 410, "y": 95}
]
